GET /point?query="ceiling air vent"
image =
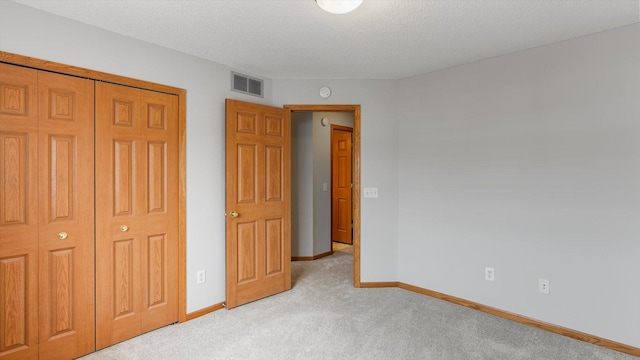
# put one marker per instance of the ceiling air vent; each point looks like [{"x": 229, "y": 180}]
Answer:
[{"x": 247, "y": 84}]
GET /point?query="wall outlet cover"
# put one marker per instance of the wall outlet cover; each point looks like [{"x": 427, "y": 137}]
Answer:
[
  {"x": 543, "y": 286},
  {"x": 489, "y": 274},
  {"x": 201, "y": 277}
]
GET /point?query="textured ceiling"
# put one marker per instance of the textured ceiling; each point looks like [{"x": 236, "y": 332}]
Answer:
[{"x": 382, "y": 39}]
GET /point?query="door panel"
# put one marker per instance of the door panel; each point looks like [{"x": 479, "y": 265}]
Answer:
[
  {"x": 273, "y": 176},
  {"x": 341, "y": 179},
  {"x": 18, "y": 213},
  {"x": 66, "y": 241},
  {"x": 274, "y": 243},
  {"x": 247, "y": 248},
  {"x": 136, "y": 226},
  {"x": 258, "y": 150},
  {"x": 247, "y": 177},
  {"x": 156, "y": 270},
  {"x": 19, "y": 335},
  {"x": 123, "y": 176},
  {"x": 124, "y": 281},
  {"x": 15, "y": 189},
  {"x": 156, "y": 180}
]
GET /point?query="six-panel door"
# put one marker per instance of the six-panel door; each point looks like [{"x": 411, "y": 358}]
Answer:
[
  {"x": 341, "y": 184},
  {"x": 136, "y": 216},
  {"x": 18, "y": 212},
  {"x": 46, "y": 215},
  {"x": 258, "y": 226},
  {"x": 66, "y": 231}
]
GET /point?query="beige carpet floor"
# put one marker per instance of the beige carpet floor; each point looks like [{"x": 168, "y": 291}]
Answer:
[{"x": 324, "y": 317}]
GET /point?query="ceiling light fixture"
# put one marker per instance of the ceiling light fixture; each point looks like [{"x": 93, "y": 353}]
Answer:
[{"x": 338, "y": 6}]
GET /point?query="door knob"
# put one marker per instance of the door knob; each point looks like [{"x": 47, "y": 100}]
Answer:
[
  {"x": 234, "y": 214},
  {"x": 62, "y": 235},
  {"x": 124, "y": 228}
]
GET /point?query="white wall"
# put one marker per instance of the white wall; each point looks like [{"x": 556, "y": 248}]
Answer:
[
  {"x": 529, "y": 163},
  {"x": 30, "y": 32},
  {"x": 379, "y": 141}
]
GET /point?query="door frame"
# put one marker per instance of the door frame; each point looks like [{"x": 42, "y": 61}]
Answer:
[
  {"x": 355, "y": 109},
  {"x": 45, "y": 65}
]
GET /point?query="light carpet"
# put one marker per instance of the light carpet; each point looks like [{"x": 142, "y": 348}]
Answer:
[{"x": 325, "y": 317}]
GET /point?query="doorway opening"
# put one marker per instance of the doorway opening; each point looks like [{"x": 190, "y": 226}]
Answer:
[{"x": 353, "y": 110}]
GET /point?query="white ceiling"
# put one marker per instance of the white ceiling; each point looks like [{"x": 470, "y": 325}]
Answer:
[{"x": 382, "y": 39}]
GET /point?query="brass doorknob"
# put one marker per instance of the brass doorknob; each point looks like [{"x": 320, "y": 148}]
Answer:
[
  {"x": 62, "y": 235},
  {"x": 124, "y": 228},
  {"x": 234, "y": 214}
]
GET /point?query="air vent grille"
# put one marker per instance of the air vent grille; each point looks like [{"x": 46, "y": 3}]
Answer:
[
  {"x": 247, "y": 84},
  {"x": 255, "y": 87}
]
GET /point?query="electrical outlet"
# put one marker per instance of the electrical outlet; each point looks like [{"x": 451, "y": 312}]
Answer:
[
  {"x": 201, "y": 277},
  {"x": 489, "y": 274},
  {"x": 543, "y": 286}
]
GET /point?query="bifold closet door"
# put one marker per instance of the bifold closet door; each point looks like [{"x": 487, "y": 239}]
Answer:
[
  {"x": 46, "y": 215},
  {"x": 18, "y": 212},
  {"x": 136, "y": 212},
  {"x": 66, "y": 221}
]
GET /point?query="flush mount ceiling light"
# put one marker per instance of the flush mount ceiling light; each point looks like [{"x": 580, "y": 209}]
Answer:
[{"x": 338, "y": 6}]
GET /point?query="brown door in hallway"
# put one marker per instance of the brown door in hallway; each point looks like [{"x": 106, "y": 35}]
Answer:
[
  {"x": 136, "y": 212},
  {"x": 341, "y": 184},
  {"x": 258, "y": 201}
]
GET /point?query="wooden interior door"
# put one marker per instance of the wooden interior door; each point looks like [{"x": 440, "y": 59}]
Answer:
[
  {"x": 258, "y": 201},
  {"x": 136, "y": 212},
  {"x": 18, "y": 213},
  {"x": 341, "y": 184},
  {"x": 46, "y": 215},
  {"x": 66, "y": 225}
]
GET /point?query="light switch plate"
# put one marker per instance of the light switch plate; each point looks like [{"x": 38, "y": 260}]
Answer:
[{"x": 370, "y": 192}]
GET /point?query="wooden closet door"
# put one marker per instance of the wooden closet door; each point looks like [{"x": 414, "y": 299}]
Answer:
[
  {"x": 18, "y": 213},
  {"x": 136, "y": 212},
  {"x": 66, "y": 225}
]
